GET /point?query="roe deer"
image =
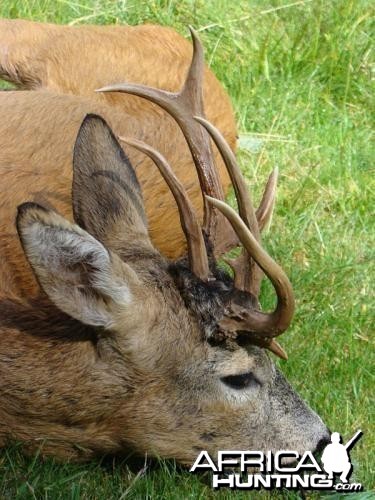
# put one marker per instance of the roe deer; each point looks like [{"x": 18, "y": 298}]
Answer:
[{"x": 123, "y": 348}]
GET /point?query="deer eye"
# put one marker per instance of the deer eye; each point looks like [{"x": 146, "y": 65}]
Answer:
[{"x": 242, "y": 381}]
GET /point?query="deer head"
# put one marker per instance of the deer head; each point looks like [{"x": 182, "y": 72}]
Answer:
[{"x": 182, "y": 342}]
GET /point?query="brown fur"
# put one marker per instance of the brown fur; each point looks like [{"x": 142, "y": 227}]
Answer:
[
  {"x": 141, "y": 373},
  {"x": 38, "y": 129},
  {"x": 110, "y": 351}
]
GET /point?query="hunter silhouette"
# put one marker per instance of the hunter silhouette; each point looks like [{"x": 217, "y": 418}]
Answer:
[{"x": 335, "y": 457}]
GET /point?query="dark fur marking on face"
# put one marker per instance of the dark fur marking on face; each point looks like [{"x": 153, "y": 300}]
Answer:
[
  {"x": 205, "y": 300},
  {"x": 208, "y": 300}
]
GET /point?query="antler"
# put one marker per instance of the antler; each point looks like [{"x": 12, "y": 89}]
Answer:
[
  {"x": 186, "y": 107},
  {"x": 266, "y": 206},
  {"x": 182, "y": 106},
  {"x": 246, "y": 275},
  {"x": 195, "y": 242},
  {"x": 254, "y": 321}
]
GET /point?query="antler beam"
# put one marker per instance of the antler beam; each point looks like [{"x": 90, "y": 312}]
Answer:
[
  {"x": 182, "y": 106},
  {"x": 195, "y": 242}
]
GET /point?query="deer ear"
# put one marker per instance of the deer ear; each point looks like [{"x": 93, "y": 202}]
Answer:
[
  {"x": 107, "y": 198},
  {"x": 75, "y": 270}
]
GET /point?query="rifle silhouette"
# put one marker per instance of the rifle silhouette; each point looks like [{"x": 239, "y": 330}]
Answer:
[{"x": 353, "y": 440}]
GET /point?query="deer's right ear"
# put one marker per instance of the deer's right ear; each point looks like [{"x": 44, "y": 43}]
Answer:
[
  {"x": 107, "y": 198},
  {"x": 76, "y": 271}
]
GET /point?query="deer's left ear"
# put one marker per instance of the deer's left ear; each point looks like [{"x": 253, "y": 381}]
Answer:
[
  {"x": 76, "y": 271},
  {"x": 107, "y": 198}
]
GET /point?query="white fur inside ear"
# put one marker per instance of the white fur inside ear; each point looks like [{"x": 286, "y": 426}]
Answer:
[{"x": 75, "y": 271}]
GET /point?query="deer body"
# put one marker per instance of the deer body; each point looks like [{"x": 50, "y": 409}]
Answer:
[
  {"x": 36, "y": 147},
  {"x": 64, "y": 65},
  {"x": 112, "y": 345}
]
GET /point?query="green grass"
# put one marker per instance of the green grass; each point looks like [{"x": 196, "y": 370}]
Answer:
[{"x": 300, "y": 80}]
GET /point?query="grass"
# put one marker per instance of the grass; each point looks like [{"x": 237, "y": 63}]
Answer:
[{"x": 299, "y": 74}]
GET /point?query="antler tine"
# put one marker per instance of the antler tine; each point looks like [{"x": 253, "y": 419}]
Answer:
[
  {"x": 196, "y": 246},
  {"x": 254, "y": 321},
  {"x": 276, "y": 348},
  {"x": 266, "y": 206},
  {"x": 247, "y": 275},
  {"x": 181, "y": 106},
  {"x": 245, "y": 206}
]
